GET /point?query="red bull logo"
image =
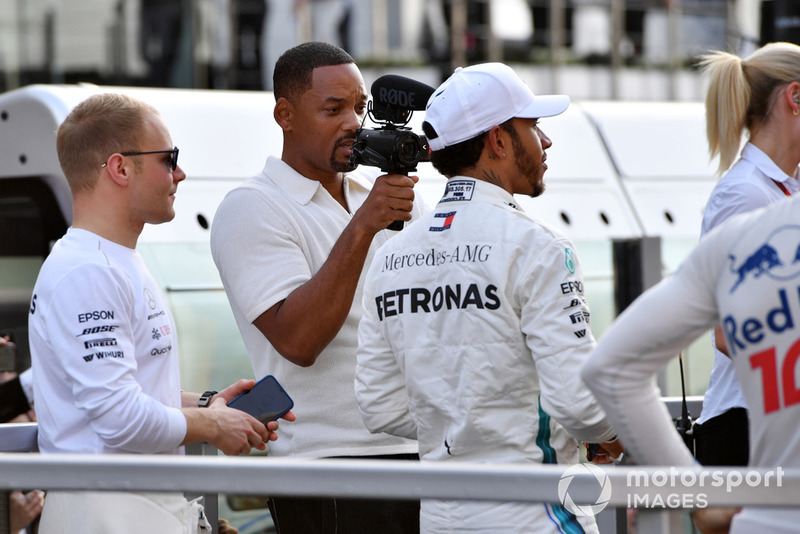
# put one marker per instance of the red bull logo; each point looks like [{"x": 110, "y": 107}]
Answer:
[
  {"x": 760, "y": 262},
  {"x": 766, "y": 260}
]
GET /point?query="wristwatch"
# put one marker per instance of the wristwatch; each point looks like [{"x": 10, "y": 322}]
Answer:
[{"x": 205, "y": 398}]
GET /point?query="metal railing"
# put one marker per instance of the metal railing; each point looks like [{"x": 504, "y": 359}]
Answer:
[
  {"x": 662, "y": 495},
  {"x": 395, "y": 479}
]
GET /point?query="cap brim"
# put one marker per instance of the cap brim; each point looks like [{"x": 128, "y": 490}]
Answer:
[{"x": 545, "y": 106}]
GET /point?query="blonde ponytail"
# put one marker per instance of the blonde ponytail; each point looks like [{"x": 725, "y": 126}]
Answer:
[
  {"x": 741, "y": 94},
  {"x": 726, "y": 105}
]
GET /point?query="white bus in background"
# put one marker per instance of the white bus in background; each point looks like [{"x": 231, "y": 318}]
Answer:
[{"x": 616, "y": 171}]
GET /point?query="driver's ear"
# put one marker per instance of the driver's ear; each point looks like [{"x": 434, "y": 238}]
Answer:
[
  {"x": 495, "y": 143},
  {"x": 117, "y": 169}
]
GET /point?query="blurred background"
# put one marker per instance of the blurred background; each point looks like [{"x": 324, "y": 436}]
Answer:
[
  {"x": 606, "y": 49},
  {"x": 633, "y": 163},
  {"x": 629, "y": 67}
]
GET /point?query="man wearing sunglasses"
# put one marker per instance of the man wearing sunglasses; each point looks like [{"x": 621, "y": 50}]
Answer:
[{"x": 103, "y": 344}]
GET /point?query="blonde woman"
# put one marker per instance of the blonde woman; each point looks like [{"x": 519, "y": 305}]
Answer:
[{"x": 758, "y": 96}]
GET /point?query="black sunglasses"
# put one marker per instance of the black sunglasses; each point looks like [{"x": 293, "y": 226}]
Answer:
[
  {"x": 172, "y": 160},
  {"x": 173, "y": 155}
]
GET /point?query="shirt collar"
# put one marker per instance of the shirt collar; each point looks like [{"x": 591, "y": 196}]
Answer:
[
  {"x": 460, "y": 189},
  {"x": 763, "y": 163},
  {"x": 300, "y": 188}
]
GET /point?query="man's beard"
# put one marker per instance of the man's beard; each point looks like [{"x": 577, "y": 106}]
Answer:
[
  {"x": 337, "y": 165},
  {"x": 525, "y": 165}
]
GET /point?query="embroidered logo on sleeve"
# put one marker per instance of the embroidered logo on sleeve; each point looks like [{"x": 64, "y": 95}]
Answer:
[{"x": 569, "y": 260}]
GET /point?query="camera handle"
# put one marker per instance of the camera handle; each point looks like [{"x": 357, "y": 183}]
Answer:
[{"x": 397, "y": 225}]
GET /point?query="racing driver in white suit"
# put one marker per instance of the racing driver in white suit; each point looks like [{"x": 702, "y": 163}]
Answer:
[
  {"x": 475, "y": 325},
  {"x": 744, "y": 276}
]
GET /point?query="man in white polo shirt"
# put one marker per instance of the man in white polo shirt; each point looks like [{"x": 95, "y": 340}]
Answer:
[{"x": 290, "y": 245}]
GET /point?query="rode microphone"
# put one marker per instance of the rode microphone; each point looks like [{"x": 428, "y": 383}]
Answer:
[
  {"x": 393, "y": 148},
  {"x": 395, "y": 97}
]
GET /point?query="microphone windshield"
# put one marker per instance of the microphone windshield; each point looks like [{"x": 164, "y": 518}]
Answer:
[{"x": 394, "y": 95}]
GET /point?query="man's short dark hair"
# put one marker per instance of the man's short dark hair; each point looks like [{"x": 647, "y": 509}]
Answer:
[
  {"x": 292, "y": 75},
  {"x": 455, "y": 159}
]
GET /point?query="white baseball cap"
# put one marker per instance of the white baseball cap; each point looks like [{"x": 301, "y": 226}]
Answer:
[{"x": 475, "y": 99}]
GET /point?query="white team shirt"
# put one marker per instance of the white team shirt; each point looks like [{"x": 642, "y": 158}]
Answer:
[
  {"x": 747, "y": 186},
  {"x": 104, "y": 353},
  {"x": 745, "y": 275}
]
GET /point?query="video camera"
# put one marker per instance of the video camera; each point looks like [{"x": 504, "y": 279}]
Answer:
[{"x": 393, "y": 147}]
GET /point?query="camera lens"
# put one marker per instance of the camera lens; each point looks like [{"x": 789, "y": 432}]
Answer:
[{"x": 408, "y": 151}]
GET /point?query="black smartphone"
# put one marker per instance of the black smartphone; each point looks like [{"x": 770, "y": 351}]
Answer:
[
  {"x": 266, "y": 402},
  {"x": 8, "y": 357}
]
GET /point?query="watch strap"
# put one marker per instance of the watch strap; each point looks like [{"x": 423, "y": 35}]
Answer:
[{"x": 205, "y": 398}]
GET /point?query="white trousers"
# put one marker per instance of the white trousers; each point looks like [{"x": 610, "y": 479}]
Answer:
[{"x": 103, "y": 512}]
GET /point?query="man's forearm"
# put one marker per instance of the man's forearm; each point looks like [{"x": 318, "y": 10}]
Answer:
[{"x": 302, "y": 325}]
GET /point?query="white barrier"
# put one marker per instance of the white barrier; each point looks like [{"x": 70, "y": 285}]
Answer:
[
  {"x": 384, "y": 478},
  {"x": 661, "y": 494}
]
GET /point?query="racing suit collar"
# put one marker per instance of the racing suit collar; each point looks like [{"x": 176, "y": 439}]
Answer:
[{"x": 465, "y": 189}]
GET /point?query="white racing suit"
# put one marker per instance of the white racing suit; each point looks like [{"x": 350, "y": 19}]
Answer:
[
  {"x": 745, "y": 276},
  {"x": 474, "y": 332}
]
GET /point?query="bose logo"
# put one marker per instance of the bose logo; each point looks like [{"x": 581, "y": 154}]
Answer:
[{"x": 98, "y": 329}]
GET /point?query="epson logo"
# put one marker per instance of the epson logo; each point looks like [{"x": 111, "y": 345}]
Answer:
[
  {"x": 573, "y": 286},
  {"x": 396, "y": 97},
  {"x": 95, "y": 316}
]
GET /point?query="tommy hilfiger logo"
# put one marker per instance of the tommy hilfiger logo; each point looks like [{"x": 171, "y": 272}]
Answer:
[{"x": 447, "y": 220}]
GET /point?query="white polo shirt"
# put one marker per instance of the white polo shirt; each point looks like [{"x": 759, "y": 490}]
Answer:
[{"x": 270, "y": 235}]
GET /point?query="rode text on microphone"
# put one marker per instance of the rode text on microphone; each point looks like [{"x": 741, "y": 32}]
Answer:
[{"x": 393, "y": 147}]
